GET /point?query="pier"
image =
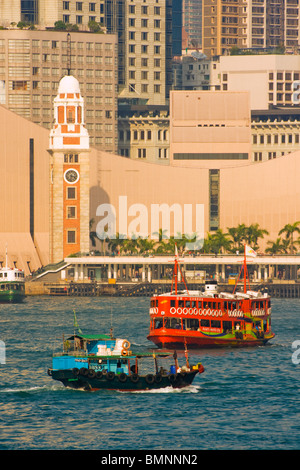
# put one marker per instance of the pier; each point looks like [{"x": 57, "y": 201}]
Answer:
[
  {"x": 146, "y": 275},
  {"x": 147, "y": 289}
]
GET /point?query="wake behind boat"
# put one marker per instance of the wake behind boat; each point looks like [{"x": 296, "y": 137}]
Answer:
[
  {"x": 211, "y": 318},
  {"x": 100, "y": 361}
]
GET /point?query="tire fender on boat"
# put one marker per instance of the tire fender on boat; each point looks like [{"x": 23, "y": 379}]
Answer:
[
  {"x": 49, "y": 372},
  {"x": 122, "y": 377},
  {"x": 91, "y": 373},
  {"x": 158, "y": 378},
  {"x": 75, "y": 371},
  {"x": 83, "y": 371},
  {"x": 134, "y": 378},
  {"x": 149, "y": 378},
  {"x": 110, "y": 375}
]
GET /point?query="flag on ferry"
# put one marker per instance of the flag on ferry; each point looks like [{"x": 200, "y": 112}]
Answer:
[{"x": 249, "y": 251}]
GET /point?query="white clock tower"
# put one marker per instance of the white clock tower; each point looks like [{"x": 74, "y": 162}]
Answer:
[{"x": 69, "y": 174}]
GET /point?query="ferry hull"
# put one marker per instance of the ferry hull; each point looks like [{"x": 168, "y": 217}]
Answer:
[
  {"x": 11, "y": 297},
  {"x": 122, "y": 382},
  {"x": 181, "y": 342}
]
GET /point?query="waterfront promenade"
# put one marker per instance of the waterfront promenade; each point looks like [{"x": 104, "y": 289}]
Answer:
[{"x": 132, "y": 269}]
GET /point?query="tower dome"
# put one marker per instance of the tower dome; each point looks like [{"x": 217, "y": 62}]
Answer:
[
  {"x": 68, "y": 84},
  {"x": 69, "y": 131}
]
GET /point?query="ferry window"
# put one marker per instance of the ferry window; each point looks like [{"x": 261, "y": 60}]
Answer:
[
  {"x": 180, "y": 303},
  {"x": 187, "y": 303},
  {"x": 173, "y": 323},
  {"x": 204, "y": 322},
  {"x": 227, "y": 326},
  {"x": 193, "y": 304},
  {"x": 158, "y": 323},
  {"x": 172, "y": 303},
  {"x": 190, "y": 324},
  {"x": 215, "y": 324},
  {"x": 199, "y": 304},
  {"x": 205, "y": 304}
]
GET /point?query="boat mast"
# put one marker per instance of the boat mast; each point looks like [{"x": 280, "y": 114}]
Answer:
[
  {"x": 246, "y": 277},
  {"x": 245, "y": 270},
  {"x": 175, "y": 272}
]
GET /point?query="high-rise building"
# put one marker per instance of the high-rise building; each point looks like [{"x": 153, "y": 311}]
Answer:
[
  {"x": 250, "y": 24},
  {"x": 192, "y": 22},
  {"x": 224, "y": 26},
  {"x": 149, "y": 35},
  {"x": 33, "y": 62}
]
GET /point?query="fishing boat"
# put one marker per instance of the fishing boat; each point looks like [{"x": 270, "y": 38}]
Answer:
[
  {"x": 99, "y": 361},
  {"x": 12, "y": 284},
  {"x": 209, "y": 318}
]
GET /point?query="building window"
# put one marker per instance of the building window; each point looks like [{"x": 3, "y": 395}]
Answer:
[
  {"x": 71, "y": 236},
  {"x": 71, "y": 192},
  {"x": 71, "y": 158},
  {"x": 78, "y": 6},
  {"x": 71, "y": 212},
  {"x": 66, "y": 5},
  {"x": 142, "y": 153}
]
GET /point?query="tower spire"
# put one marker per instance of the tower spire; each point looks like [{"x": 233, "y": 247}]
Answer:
[{"x": 69, "y": 53}]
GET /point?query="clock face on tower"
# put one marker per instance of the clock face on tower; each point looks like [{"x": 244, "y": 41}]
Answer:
[{"x": 71, "y": 175}]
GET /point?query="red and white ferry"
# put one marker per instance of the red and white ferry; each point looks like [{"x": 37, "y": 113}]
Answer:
[{"x": 196, "y": 319}]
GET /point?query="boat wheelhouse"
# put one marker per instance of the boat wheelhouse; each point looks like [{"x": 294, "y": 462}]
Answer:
[
  {"x": 209, "y": 318},
  {"x": 95, "y": 362}
]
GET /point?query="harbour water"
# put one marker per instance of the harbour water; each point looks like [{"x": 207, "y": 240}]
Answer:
[{"x": 247, "y": 399}]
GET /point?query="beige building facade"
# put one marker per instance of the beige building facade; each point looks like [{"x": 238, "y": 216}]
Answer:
[
  {"x": 271, "y": 79},
  {"x": 209, "y": 129}
]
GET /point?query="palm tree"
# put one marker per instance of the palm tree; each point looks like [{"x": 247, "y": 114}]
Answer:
[
  {"x": 275, "y": 247},
  {"x": 290, "y": 230},
  {"x": 238, "y": 235},
  {"x": 221, "y": 241},
  {"x": 254, "y": 232},
  {"x": 93, "y": 234},
  {"x": 144, "y": 245},
  {"x": 114, "y": 244}
]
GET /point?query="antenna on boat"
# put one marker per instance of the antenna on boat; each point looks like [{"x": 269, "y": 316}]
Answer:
[
  {"x": 111, "y": 323},
  {"x": 186, "y": 354},
  {"x": 6, "y": 265}
]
